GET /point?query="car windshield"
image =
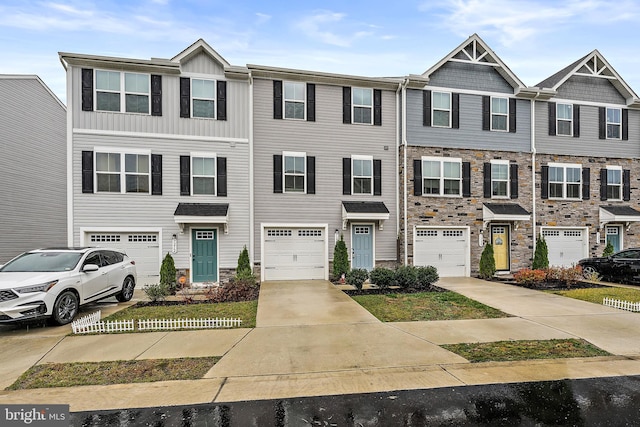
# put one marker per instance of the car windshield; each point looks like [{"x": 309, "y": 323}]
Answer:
[{"x": 43, "y": 262}]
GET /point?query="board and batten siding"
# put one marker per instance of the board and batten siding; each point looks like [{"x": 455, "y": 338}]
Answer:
[
  {"x": 33, "y": 164},
  {"x": 470, "y": 134},
  {"x": 459, "y": 75},
  {"x": 102, "y": 210},
  {"x": 329, "y": 140},
  {"x": 202, "y": 64}
]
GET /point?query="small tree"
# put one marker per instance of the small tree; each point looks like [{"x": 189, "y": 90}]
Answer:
[
  {"x": 340, "y": 259},
  {"x": 608, "y": 250},
  {"x": 487, "y": 262},
  {"x": 541, "y": 255},
  {"x": 244, "y": 273},
  {"x": 168, "y": 273}
]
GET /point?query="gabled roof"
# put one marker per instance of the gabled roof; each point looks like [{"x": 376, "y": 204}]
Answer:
[
  {"x": 198, "y": 47},
  {"x": 38, "y": 80},
  {"x": 591, "y": 65}
]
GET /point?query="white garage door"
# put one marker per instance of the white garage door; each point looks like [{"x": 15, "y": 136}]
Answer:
[
  {"x": 447, "y": 249},
  {"x": 294, "y": 253},
  {"x": 143, "y": 248},
  {"x": 566, "y": 245}
]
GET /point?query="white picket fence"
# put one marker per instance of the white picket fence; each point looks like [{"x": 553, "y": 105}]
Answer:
[
  {"x": 92, "y": 324},
  {"x": 623, "y": 305}
]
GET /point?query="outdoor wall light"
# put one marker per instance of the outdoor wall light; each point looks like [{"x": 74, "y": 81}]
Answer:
[{"x": 174, "y": 243}]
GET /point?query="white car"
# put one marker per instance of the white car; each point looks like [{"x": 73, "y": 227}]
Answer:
[{"x": 55, "y": 282}]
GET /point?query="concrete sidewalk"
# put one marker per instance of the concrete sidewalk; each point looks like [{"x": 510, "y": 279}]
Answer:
[{"x": 312, "y": 340}]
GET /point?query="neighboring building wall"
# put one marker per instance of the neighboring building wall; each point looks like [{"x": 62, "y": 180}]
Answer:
[{"x": 33, "y": 164}]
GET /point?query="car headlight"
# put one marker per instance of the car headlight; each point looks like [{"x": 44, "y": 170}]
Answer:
[{"x": 43, "y": 287}]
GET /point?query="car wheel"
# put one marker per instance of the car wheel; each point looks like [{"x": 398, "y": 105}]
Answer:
[
  {"x": 127, "y": 290},
  {"x": 65, "y": 308},
  {"x": 589, "y": 272}
]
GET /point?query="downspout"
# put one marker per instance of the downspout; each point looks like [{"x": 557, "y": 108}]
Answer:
[
  {"x": 405, "y": 193},
  {"x": 397, "y": 155},
  {"x": 251, "y": 173},
  {"x": 69, "y": 73},
  {"x": 533, "y": 172}
]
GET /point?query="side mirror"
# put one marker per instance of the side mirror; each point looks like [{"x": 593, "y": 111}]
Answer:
[{"x": 89, "y": 268}]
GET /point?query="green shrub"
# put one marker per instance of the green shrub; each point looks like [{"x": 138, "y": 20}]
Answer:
[
  {"x": 608, "y": 250},
  {"x": 244, "y": 272},
  {"x": 157, "y": 292},
  {"x": 340, "y": 259},
  {"x": 426, "y": 276},
  {"x": 406, "y": 276},
  {"x": 382, "y": 277},
  {"x": 168, "y": 274},
  {"x": 487, "y": 262},
  {"x": 357, "y": 277},
  {"x": 541, "y": 255}
]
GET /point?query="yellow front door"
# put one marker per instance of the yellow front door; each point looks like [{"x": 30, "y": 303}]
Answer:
[{"x": 500, "y": 241}]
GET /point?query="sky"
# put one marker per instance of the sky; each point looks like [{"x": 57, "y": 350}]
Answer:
[{"x": 534, "y": 38}]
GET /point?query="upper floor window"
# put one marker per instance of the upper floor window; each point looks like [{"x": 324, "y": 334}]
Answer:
[
  {"x": 203, "y": 174},
  {"x": 362, "y": 105},
  {"x": 110, "y": 96},
  {"x": 294, "y": 172},
  {"x": 499, "y": 114},
  {"x": 294, "y": 100},
  {"x": 442, "y": 177},
  {"x": 122, "y": 172},
  {"x": 362, "y": 175},
  {"x": 564, "y": 118},
  {"x": 203, "y": 98},
  {"x": 500, "y": 178},
  {"x": 565, "y": 181},
  {"x": 614, "y": 123},
  {"x": 441, "y": 109},
  {"x": 614, "y": 183}
]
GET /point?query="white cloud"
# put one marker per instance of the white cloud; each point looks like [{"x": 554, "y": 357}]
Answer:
[{"x": 262, "y": 18}]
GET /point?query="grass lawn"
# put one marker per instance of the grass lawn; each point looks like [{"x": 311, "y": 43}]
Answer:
[
  {"x": 426, "y": 306},
  {"x": 245, "y": 310},
  {"x": 598, "y": 294},
  {"x": 114, "y": 372},
  {"x": 502, "y": 351}
]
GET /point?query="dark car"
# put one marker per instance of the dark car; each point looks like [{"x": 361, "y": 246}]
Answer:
[{"x": 623, "y": 266}]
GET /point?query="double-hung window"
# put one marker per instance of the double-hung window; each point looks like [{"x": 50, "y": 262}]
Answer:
[
  {"x": 499, "y": 114},
  {"x": 441, "y": 109},
  {"x": 110, "y": 96},
  {"x": 500, "y": 178},
  {"x": 614, "y": 123},
  {"x": 362, "y": 105},
  {"x": 564, "y": 119},
  {"x": 294, "y": 172},
  {"x": 614, "y": 183},
  {"x": 362, "y": 176},
  {"x": 565, "y": 181},
  {"x": 294, "y": 100},
  {"x": 203, "y": 174},
  {"x": 203, "y": 98},
  {"x": 442, "y": 177},
  {"x": 118, "y": 172}
]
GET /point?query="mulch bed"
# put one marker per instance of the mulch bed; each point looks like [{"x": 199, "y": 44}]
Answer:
[
  {"x": 392, "y": 290},
  {"x": 553, "y": 286}
]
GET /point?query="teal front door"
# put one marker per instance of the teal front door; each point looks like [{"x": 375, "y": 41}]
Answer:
[
  {"x": 613, "y": 237},
  {"x": 204, "y": 255},
  {"x": 362, "y": 246}
]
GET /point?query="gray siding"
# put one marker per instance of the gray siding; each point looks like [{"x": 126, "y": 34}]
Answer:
[
  {"x": 33, "y": 164},
  {"x": 583, "y": 88},
  {"x": 458, "y": 75},
  {"x": 202, "y": 63},
  {"x": 470, "y": 134},
  {"x": 329, "y": 140}
]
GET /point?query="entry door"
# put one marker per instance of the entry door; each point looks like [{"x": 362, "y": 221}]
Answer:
[
  {"x": 362, "y": 246},
  {"x": 205, "y": 256},
  {"x": 613, "y": 237},
  {"x": 500, "y": 241}
]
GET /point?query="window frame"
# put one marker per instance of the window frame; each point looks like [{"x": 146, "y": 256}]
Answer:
[
  {"x": 442, "y": 179},
  {"x": 354, "y": 176},
  {"x": 194, "y": 98},
  {"x": 620, "y": 186},
  {"x": 564, "y": 120},
  {"x": 203, "y": 155},
  {"x": 293, "y": 100},
  {"x": 435, "y": 109},
  {"x": 564, "y": 182},
  {"x": 122, "y": 92},
  {"x": 294, "y": 154},
  {"x": 506, "y": 180},
  {"x": 354, "y": 106},
  {"x": 505, "y": 115},
  {"x": 608, "y": 123},
  {"x": 122, "y": 173}
]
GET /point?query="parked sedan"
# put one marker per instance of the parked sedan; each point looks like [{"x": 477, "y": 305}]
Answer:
[
  {"x": 55, "y": 282},
  {"x": 623, "y": 266}
]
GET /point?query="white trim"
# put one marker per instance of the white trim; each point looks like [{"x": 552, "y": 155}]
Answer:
[
  {"x": 441, "y": 160},
  {"x": 214, "y": 99},
  {"x": 620, "y": 234},
  {"x": 508, "y": 179},
  {"x": 434, "y": 109},
  {"x": 122, "y": 92},
  {"x": 373, "y": 241},
  {"x": 508, "y": 227},
  {"x": 252, "y": 227},
  {"x": 364, "y": 158},
  {"x": 159, "y": 136},
  {"x": 467, "y": 229},
  {"x": 565, "y": 166},
  {"x": 585, "y": 235},
  {"x": 492, "y": 113},
  {"x": 296, "y": 101},
  {"x": 122, "y": 152},
  {"x": 558, "y": 119},
  {"x": 353, "y": 105},
  {"x": 586, "y": 103},
  {"x": 202, "y": 76},
  {"x": 621, "y": 185},
  {"x": 473, "y": 92},
  {"x": 204, "y": 155},
  {"x": 286, "y": 154},
  {"x": 607, "y": 123},
  {"x": 191, "y": 229},
  {"x": 70, "y": 152}
]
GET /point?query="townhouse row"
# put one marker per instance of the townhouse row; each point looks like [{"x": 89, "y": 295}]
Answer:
[{"x": 198, "y": 158}]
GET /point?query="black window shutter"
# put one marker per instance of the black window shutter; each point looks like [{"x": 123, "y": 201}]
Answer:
[
  {"x": 277, "y": 99},
  {"x": 277, "y": 173},
  {"x": 156, "y": 174},
  {"x": 513, "y": 180},
  {"x": 426, "y": 108},
  {"x": 311, "y": 175},
  {"x": 602, "y": 123},
  {"x": 603, "y": 184},
  {"x": 544, "y": 182},
  {"x": 417, "y": 177},
  {"x": 156, "y": 95},
  {"x": 346, "y": 175},
  {"x": 377, "y": 177},
  {"x": 486, "y": 113},
  {"x": 466, "y": 179},
  {"x": 512, "y": 115},
  {"x": 221, "y": 102},
  {"x": 586, "y": 183},
  {"x": 552, "y": 118},
  {"x": 185, "y": 97},
  {"x": 87, "y": 89},
  {"x": 87, "y": 171},
  {"x": 487, "y": 180},
  {"x": 346, "y": 106},
  {"x": 576, "y": 121},
  {"x": 221, "y": 186},
  {"x": 625, "y": 124},
  {"x": 185, "y": 175},
  {"x": 377, "y": 107},
  {"x": 311, "y": 102},
  {"x": 455, "y": 110},
  {"x": 626, "y": 185}
]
